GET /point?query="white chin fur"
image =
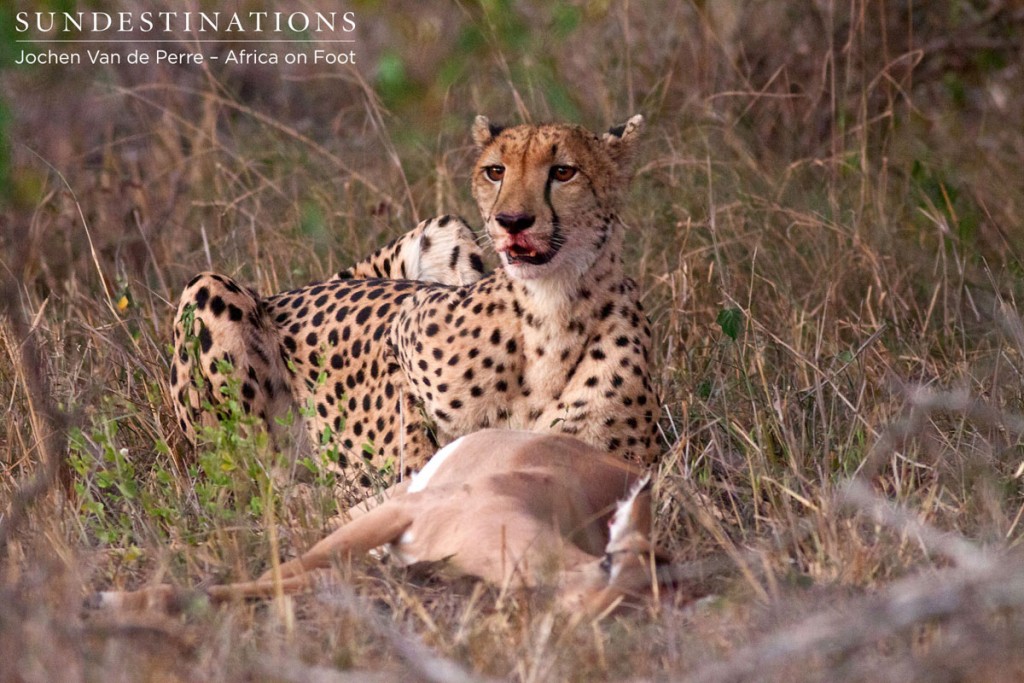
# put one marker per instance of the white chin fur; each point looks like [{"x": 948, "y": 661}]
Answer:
[{"x": 524, "y": 271}]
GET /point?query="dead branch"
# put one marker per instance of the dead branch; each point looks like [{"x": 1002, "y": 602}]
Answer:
[{"x": 926, "y": 597}]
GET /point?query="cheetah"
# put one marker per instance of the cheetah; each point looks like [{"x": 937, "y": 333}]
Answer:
[
  {"x": 415, "y": 346},
  {"x": 441, "y": 250}
]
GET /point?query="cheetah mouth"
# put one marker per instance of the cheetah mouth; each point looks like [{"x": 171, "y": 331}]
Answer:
[
  {"x": 517, "y": 254},
  {"x": 522, "y": 249}
]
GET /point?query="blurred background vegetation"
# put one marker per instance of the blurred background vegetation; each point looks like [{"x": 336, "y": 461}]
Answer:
[
  {"x": 923, "y": 95},
  {"x": 827, "y": 220}
]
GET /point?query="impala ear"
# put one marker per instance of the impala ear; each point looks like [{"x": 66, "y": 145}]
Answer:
[
  {"x": 624, "y": 571},
  {"x": 484, "y": 131},
  {"x": 621, "y": 140},
  {"x": 631, "y": 523}
]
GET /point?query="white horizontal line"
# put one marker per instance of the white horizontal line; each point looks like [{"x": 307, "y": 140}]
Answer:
[{"x": 188, "y": 42}]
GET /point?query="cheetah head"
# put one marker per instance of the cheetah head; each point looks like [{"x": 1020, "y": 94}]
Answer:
[{"x": 548, "y": 193}]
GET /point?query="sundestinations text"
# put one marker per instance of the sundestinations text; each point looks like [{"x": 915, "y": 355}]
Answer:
[{"x": 201, "y": 22}]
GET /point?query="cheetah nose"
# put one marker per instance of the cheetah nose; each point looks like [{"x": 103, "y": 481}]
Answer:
[{"x": 514, "y": 222}]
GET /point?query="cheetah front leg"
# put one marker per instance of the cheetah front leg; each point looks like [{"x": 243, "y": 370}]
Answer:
[{"x": 225, "y": 348}]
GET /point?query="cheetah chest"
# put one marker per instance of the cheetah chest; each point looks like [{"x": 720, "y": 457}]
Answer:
[{"x": 477, "y": 358}]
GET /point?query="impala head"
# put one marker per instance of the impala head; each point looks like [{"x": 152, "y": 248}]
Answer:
[
  {"x": 625, "y": 570},
  {"x": 548, "y": 194}
]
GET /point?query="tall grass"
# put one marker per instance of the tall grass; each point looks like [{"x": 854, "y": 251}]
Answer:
[{"x": 826, "y": 223}]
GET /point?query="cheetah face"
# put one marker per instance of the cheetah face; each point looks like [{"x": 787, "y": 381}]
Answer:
[{"x": 548, "y": 193}]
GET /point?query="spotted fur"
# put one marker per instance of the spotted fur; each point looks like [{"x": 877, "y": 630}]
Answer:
[
  {"x": 555, "y": 340},
  {"x": 441, "y": 250}
]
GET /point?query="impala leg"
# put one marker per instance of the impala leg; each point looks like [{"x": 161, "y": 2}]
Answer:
[
  {"x": 382, "y": 524},
  {"x": 264, "y": 588},
  {"x": 374, "y": 528}
]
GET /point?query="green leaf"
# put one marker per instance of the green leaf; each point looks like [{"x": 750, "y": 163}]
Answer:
[
  {"x": 731, "y": 322},
  {"x": 704, "y": 389}
]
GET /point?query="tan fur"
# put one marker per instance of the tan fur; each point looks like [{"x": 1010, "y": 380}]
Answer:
[{"x": 515, "y": 509}]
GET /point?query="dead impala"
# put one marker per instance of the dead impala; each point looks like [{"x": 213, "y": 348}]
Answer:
[{"x": 513, "y": 508}]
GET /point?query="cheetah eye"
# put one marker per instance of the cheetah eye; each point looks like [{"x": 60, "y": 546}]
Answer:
[
  {"x": 563, "y": 173},
  {"x": 606, "y": 563},
  {"x": 494, "y": 173}
]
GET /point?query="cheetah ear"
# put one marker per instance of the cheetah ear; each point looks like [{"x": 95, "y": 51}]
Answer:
[
  {"x": 621, "y": 140},
  {"x": 484, "y": 131}
]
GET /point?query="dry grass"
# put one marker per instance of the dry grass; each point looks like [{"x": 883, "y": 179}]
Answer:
[{"x": 842, "y": 177}]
